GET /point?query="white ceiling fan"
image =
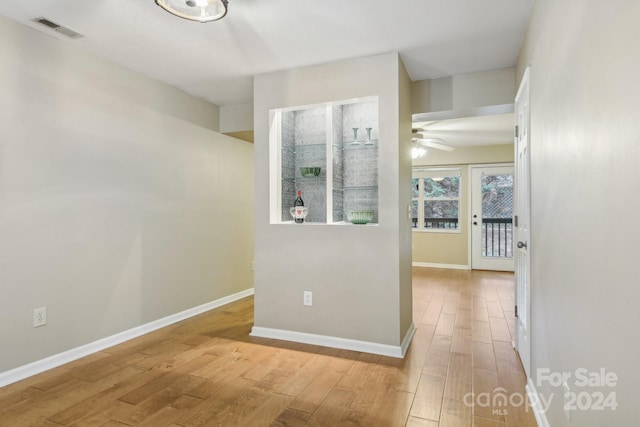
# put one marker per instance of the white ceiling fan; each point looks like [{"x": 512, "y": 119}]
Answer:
[
  {"x": 492, "y": 126},
  {"x": 421, "y": 141}
]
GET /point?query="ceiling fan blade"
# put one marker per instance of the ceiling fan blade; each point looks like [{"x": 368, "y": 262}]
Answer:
[
  {"x": 438, "y": 146},
  {"x": 420, "y": 126},
  {"x": 434, "y": 143}
]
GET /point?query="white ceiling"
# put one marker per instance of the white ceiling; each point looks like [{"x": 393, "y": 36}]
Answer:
[{"x": 217, "y": 61}]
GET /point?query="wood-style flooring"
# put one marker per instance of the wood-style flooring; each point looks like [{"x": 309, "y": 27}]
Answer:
[{"x": 208, "y": 371}]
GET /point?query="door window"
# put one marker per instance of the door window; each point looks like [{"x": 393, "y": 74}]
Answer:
[{"x": 497, "y": 214}]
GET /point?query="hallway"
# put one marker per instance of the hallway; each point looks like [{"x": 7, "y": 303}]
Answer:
[{"x": 207, "y": 370}]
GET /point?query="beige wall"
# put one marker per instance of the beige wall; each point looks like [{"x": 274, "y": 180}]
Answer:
[
  {"x": 453, "y": 248},
  {"x": 404, "y": 200},
  {"x": 480, "y": 89},
  {"x": 237, "y": 121},
  {"x": 360, "y": 276},
  {"x": 119, "y": 204},
  {"x": 585, "y": 148},
  {"x": 236, "y": 118}
]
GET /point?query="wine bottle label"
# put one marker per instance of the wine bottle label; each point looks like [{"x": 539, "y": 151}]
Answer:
[{"x": 299, "y": 212}]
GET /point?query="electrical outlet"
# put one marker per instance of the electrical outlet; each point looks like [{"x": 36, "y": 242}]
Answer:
[
  {"x": 308, "y": 298},
  {"x": 39, "y": 317},
  {"x": 253, "y": 266},
  {"x": 568, "y": 401}
]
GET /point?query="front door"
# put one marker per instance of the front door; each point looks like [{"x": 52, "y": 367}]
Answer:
[
  {"x": 522, "y": 231},
  {"x": 492, "y": 218}
]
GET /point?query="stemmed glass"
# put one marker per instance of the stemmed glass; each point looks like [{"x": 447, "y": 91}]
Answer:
[
  {"x": 368, "y": 137},
  {"x": 355, "y": 137}
]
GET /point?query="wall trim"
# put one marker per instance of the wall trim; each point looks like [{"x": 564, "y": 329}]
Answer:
[
  {"x": 39, "y": 366},
  {"x": 538, "y": 411},
  {"x": 435, "y": 265},
  {"x": 337, "y": 342},
  {"x": 408, "y": 337}
]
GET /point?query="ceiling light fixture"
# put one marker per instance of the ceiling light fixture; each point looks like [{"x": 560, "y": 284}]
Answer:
[
  {"x": 195, "y": 10},
  {"x": 417, "y": 151}
]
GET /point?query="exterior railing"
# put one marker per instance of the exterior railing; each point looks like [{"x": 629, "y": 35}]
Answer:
[
  {"x": 497, "y": 237},
  {"x": 497, "y": 234},
  {"x": 441, "y": 223}
]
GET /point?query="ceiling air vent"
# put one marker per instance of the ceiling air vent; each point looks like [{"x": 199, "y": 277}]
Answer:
[{"x": 58, "y": 28}]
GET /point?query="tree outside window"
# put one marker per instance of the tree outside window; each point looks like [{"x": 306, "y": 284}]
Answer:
[{"x": 436, "y": 199}]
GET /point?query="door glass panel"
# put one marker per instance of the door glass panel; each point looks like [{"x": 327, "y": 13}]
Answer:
[{"x": 497, "y": 216}]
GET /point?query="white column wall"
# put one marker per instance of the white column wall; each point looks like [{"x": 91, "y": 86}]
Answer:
[{"x": 356, "y": 274}]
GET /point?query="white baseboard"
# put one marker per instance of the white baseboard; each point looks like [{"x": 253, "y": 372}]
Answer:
[
  {"x": 536, "y": 407},
  {"x": 336, "y": 342},
  {"x": 434, "y": 265},
  {"x": 59, "y": 359},
  {"x": 407, "y": 339}
]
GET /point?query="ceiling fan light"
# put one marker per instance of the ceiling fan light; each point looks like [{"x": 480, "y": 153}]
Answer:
[
  {"x": 195, "y": 10},
  {"x": 418, "y": 152}
]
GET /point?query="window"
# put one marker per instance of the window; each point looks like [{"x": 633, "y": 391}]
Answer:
[{"x": 436, "y": 199}]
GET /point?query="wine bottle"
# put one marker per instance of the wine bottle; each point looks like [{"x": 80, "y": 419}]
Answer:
[{"x": 299, "y": 217}]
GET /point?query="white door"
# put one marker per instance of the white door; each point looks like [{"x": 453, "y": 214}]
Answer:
[
  {"x": 521, "y": 224},
  {"x": 492, "y": 218}
]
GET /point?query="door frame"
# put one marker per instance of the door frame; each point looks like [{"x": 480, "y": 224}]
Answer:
[
  {"x": 524, "y": 349},
  {"x": 470, "y": 202}
]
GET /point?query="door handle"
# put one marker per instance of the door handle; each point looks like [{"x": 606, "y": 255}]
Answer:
[
  {"x": 522, "y": 245},
  {"x": 475, "y": 223}
]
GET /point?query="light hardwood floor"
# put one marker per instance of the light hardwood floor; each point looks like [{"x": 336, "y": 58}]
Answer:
[{"x": 207, "y": 371}]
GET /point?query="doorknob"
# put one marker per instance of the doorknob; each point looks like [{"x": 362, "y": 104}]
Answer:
[
  {"x": 522, "y": 245},
  {"x": 475, "y": 223}
]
